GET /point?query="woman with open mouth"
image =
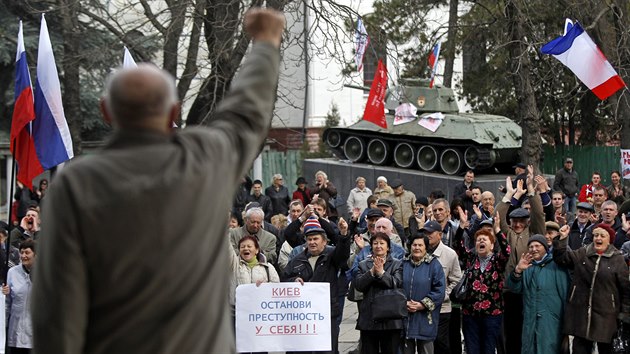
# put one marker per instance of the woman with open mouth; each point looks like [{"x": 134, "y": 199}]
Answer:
[
  {"x": 599, "y": 293},
  {"x": 483, "y": 307}
]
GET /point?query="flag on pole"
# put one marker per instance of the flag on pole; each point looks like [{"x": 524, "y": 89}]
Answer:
[
  {"x": 361, "y": 43},
  {"x": 433, "y": 61},
  {"x": 576, "y": 50},
  {"x": 128, "y": 61},
  {"x": 22, "y": 145},
  {"x": 50, "y": 129},
  {"x": 375, "y": 107}
]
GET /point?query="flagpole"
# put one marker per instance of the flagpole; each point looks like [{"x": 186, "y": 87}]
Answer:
[{"x": 10, "y": 215}]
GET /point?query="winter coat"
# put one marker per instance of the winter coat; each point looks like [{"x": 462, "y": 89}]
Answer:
[
  {"x": 358, "y": 199},
  {"x": 403, "y": 207},
  {"x": 600, "y": 290},
  {"x": 566, "y": 182},
  {"x": 452, "y": 272},
  {"x": 243, "y": 274},
  {"x": 423, "y": 282},
  {"x": 577, "y": 237},
  {"x": 327, "y": 266},
  {"x": 545, "y": 288},
  {"x": 518, "y": 242},
  {"x": 19, "y": 308},
  {"x": 371, "y": 285}
]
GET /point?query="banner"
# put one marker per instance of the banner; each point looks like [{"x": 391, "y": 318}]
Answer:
[
  {"x": 625, "y": 164},
  {"x": 405, "y": 113},
  {"x": 375, "y": 107},
  {"x": 283, "y": 317}
]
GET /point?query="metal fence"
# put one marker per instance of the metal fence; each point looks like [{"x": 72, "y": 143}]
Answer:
[
  {"x": 288, "y": 164},
  {"x": 586, "y": 160}
]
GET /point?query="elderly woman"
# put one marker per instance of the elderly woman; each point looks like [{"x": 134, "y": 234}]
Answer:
[
  {"x": 545, "y": 287},
  {"x": 600, "y": 290},
  {"x": 483, "y": 307},
  {"x": 382, "y": 190},
  {"x": 18, "y": 292},
  {"x": 424, "y": 285},
  {"x": 376, "y": 274},
  {"x": 326, "y": 190}
]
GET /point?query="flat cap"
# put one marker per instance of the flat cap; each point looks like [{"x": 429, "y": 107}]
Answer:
[
  {"x": 374, "y": 213},
  {"x": 385, "y": 202},
  {"x": 552, "y": 225},
  {"x": 487, "y": 222},
  {"x": 519, "y": 213},
  {"x": 396, "y": 183},
  {"x": 586, "y": 206}
]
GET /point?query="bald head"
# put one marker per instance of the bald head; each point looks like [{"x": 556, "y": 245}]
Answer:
[
  {"x": 384, "y": 225},
  {"x": 141, "y": 98}
]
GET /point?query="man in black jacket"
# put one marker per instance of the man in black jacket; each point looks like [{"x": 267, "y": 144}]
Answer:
[
  {"x": 319, "y": 263},
  {"x": 566, "y": 181}
]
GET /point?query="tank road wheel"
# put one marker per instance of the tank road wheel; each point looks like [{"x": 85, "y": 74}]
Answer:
[
  {"x": 471, "y": 157},
  {"x": 451, "y": 161},
  {"x": 427, "y": 157},
  {"x": 404, "y": 155},
  {"x": 378, "y": 151},
  {"x": 333, "y": 139},
  {"x": 354, "y": 148}
]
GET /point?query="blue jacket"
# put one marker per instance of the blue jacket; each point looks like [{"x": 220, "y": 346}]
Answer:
[
  {"x": 545, "y": 288},
  {"x": 424, "y": 282}
]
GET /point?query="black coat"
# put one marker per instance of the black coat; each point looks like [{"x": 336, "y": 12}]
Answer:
[
  {"x": 600, "y": 290},
  {"x": 369, "y": 285},
  {"x": 326, "y": 269}
]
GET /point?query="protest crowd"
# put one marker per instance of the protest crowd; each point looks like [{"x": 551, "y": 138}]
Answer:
[
  {"x": 535, "y": 267},
  {"x": 542, "y": 260}
]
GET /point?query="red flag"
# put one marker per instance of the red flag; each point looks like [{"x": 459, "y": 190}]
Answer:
[
  {"x": 375, "y": 107},
  {"x": 22, "y": 145}
]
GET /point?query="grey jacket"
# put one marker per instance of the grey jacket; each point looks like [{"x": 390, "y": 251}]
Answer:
[
  {"x": 566, "y": 182},
  {"x": 133, "y": 259}
]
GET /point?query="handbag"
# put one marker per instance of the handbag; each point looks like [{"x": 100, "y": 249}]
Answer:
[
  {"x": 389, "y": 304},
  {"x": 354, "y": 295},
  {"x": 459, "y": 294}
]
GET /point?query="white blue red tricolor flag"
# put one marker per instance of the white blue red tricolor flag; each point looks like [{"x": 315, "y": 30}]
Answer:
[
  {"x": 433, "y": 62},
  {"x": 578, "y": 52},
  {"x": 128, "y": 61},
  {"x": 50, "y": 129},
  {"x": 362, "y": 40},
  {"x": 22, "y": 144}
]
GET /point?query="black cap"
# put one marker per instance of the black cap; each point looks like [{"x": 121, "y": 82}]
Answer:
[
  {"x": 519, "y": 213},
  {"x": 300, "y": 180},
  {"x": 374, "y": 213},
  {"x": 396, "y": 183},
  {"x": 422, "y": 200},
  {"x": 385, "y": 202},
  {"x": 431, "y": 226},
  {"x": 520, "y": 165},
  {"x": 568, "y": 159},
  {"x": 586, "y": 206}
]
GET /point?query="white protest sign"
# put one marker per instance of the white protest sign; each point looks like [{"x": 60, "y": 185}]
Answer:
[
  {"x": 431, "y": 121},
  {"x": 625, "y": 164},
  {"x": 283, "y": 317}
]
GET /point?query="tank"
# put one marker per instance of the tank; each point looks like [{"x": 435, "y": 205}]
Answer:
[{"x": 462, "y": 141}]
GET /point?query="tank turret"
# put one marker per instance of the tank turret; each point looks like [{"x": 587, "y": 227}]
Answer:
[{"x": 461, "y": 141}]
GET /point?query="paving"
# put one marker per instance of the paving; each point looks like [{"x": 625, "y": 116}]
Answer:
[{"x": 348, "y": 336}]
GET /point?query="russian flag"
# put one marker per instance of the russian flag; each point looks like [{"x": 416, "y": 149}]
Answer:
[
  {"x": 578, "y": 52},
  {"x": 22, "y": 145},
  {"x": 50, "y": 129},
  {"x": 433, "y": 61},
  {"x": 361, "y": 42}
]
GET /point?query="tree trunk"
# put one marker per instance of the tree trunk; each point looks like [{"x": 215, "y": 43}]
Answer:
[
  {"x": 69, "y": 11},
  {"x": 172, "y": 34},
  {"x": 527, "y": 110},
  {"x": 621, "y": 24},
  {"x": 451, "y": 44}
]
